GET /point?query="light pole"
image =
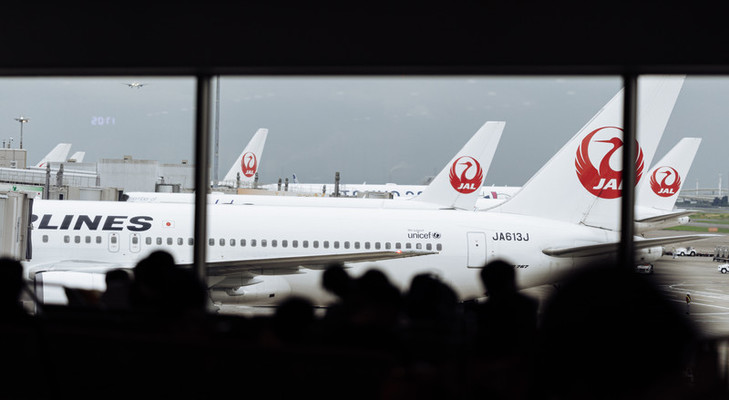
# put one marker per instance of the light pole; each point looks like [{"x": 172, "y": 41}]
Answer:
[{"x": 22, "y": 120}]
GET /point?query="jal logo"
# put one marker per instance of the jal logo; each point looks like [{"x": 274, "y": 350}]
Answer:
[
  {"x": 604, "y": 180},
  {"x": 665, "y": 181},
  {"x": 249, "y": 164},
  {"x": 466, "y": 175}
]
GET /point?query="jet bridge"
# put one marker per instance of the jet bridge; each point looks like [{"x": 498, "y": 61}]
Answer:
[{"x": 15, "y": 226}]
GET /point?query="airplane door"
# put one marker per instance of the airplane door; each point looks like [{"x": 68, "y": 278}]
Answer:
[
  {"x": 113, "y": 242},
  {"x": 476, "y": 249},
  {"x": 134, "y": 243}
]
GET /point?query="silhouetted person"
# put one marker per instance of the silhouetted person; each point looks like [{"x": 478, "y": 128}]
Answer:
[
  {"x": 22, "y": 346},
  {"x": 432, "y": 326},
  {"x": 11, "y": 287},
  {"x": 294, "y": 322},
  {"x": 152, "y": 280},
  {"x": 507, "y": 320},
  {"x": 506, "y": 334},
  {"x": 337, "y": 281},
  {"x": 610, "y": 333},
  {"x": 376, "y": 310},
  {"x": 118, "y": 290}
]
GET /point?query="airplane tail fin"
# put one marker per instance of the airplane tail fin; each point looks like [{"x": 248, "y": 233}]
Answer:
[
  {"x": 77, "y": 156},
  {"x": 458, "y": 185},
  {"x": 583, "y": 173},
  {"x": 247, "y": 163},
  {"x": 295, "y": 179},
  {"x": 659, "y": 189},
  {"x": 58, "y": 154}
]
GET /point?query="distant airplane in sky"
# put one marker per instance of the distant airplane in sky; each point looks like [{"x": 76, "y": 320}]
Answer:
[{"x": 135, "y": 84}]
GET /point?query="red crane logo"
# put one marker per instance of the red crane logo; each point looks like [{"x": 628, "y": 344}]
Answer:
[
  {"x": 466, "y": 175},
  {"x": 663, "y": 188},
  {"x": 604, "y": 182},
  {"x": 249, "y": 164}
]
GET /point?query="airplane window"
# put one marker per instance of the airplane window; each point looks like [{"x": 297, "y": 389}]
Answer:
[
  {"x": 232, "y": 242},
  {"x": 346, "y": 245},
  {"x": 211, "y": 242},
  {"x": 190, "y": 241},
  {"x": 147, "y": 240},
  {"x": 253, "y": 242},
  {"x": 159, "y": 241},
  {"x": 284, "y": 243},
  {"x": 77, "y": 239},
  {"x": 87, "y": 239},
  {"x": 135, "y": 239},
  {"x": 336, "y": 244},
  {"x": 169, "y": 241},
  {"x": 356, "y": 245},
  {"x": 295, "y": 243},
  {"x": 264, "y": 242},
  {"x": 439, "y": 247},
  {"x": 274, "y": 243},
  {"x": 377, "y": 245},
  {"x": 418, "y": 246},
  {"x": 222, "y": 242},
  {"x": 98, "y": 239},
  {"x": 326, "y": 244},
  {"x": 367, "y": 245},
  {"x": 388, "y": 245},
  {"x": 45, "y": 238},
  {"x": 242, "y": 243},
  {"x": 180, "y": 241},
  {"x": 408, "y": 246},
  {"x": 398, "y": 245},
  {"x": 113, "y": 239},
  {"x": 305, "y": 244},
  {"x": 316, "y": 244},
  {"x": 429, "y": 246}
]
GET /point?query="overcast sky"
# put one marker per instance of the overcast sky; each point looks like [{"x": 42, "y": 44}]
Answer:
[{"x": 375, "y": 129}]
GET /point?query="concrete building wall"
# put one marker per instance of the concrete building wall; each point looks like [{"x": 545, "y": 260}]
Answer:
[
  {"x": 128, "y": 174},
  {"x": 13, "y": 158},
  {"x": 182, "y": 174}
]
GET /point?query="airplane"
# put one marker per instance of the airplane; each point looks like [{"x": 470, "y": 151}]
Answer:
[
  {"x": 130, "y": 230},
  {"x": 244, "y": 169},
  {"x": 58, "y": 154},
  {"x": 135, "y": 84},
  {"x": 657, "y": 194},
  {"x": 260, "y": 255}
]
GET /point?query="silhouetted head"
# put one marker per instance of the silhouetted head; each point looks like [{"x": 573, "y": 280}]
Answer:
[
  {"x": 336, "y": 280},
  {"x": 498, "y": 277}
]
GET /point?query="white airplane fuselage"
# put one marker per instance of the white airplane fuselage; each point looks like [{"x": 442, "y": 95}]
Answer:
[{"x": 463, "y": 241}]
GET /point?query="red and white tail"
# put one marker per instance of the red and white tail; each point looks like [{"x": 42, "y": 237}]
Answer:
[
  {"x": 458, "y": 185},
  {"x": 243, "y": 171},
  {"x": 582, "y": 183}
]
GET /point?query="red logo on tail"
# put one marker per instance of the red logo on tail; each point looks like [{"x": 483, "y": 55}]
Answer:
[
  {"x": 664, "y": 189},
  {"x": 606, "y": 182},
  {"x": 249, "y": 164},
  {"x": 468, "y": 166}
]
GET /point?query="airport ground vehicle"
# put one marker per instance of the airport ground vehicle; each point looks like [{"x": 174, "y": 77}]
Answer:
[
  {"x": 684, "y": 251},
  {"x": 646, "y": 268},
  {"x": 723, "y": 268}
]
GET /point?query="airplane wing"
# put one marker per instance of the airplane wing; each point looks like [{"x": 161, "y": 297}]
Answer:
[
  {"x": 88, "y": 266},
  {"x": 665, "y": 216},
  {"x": 279, "y": 265},
  {"x": 287, "y": 264},
  {"x": 611, "y": 248}
]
